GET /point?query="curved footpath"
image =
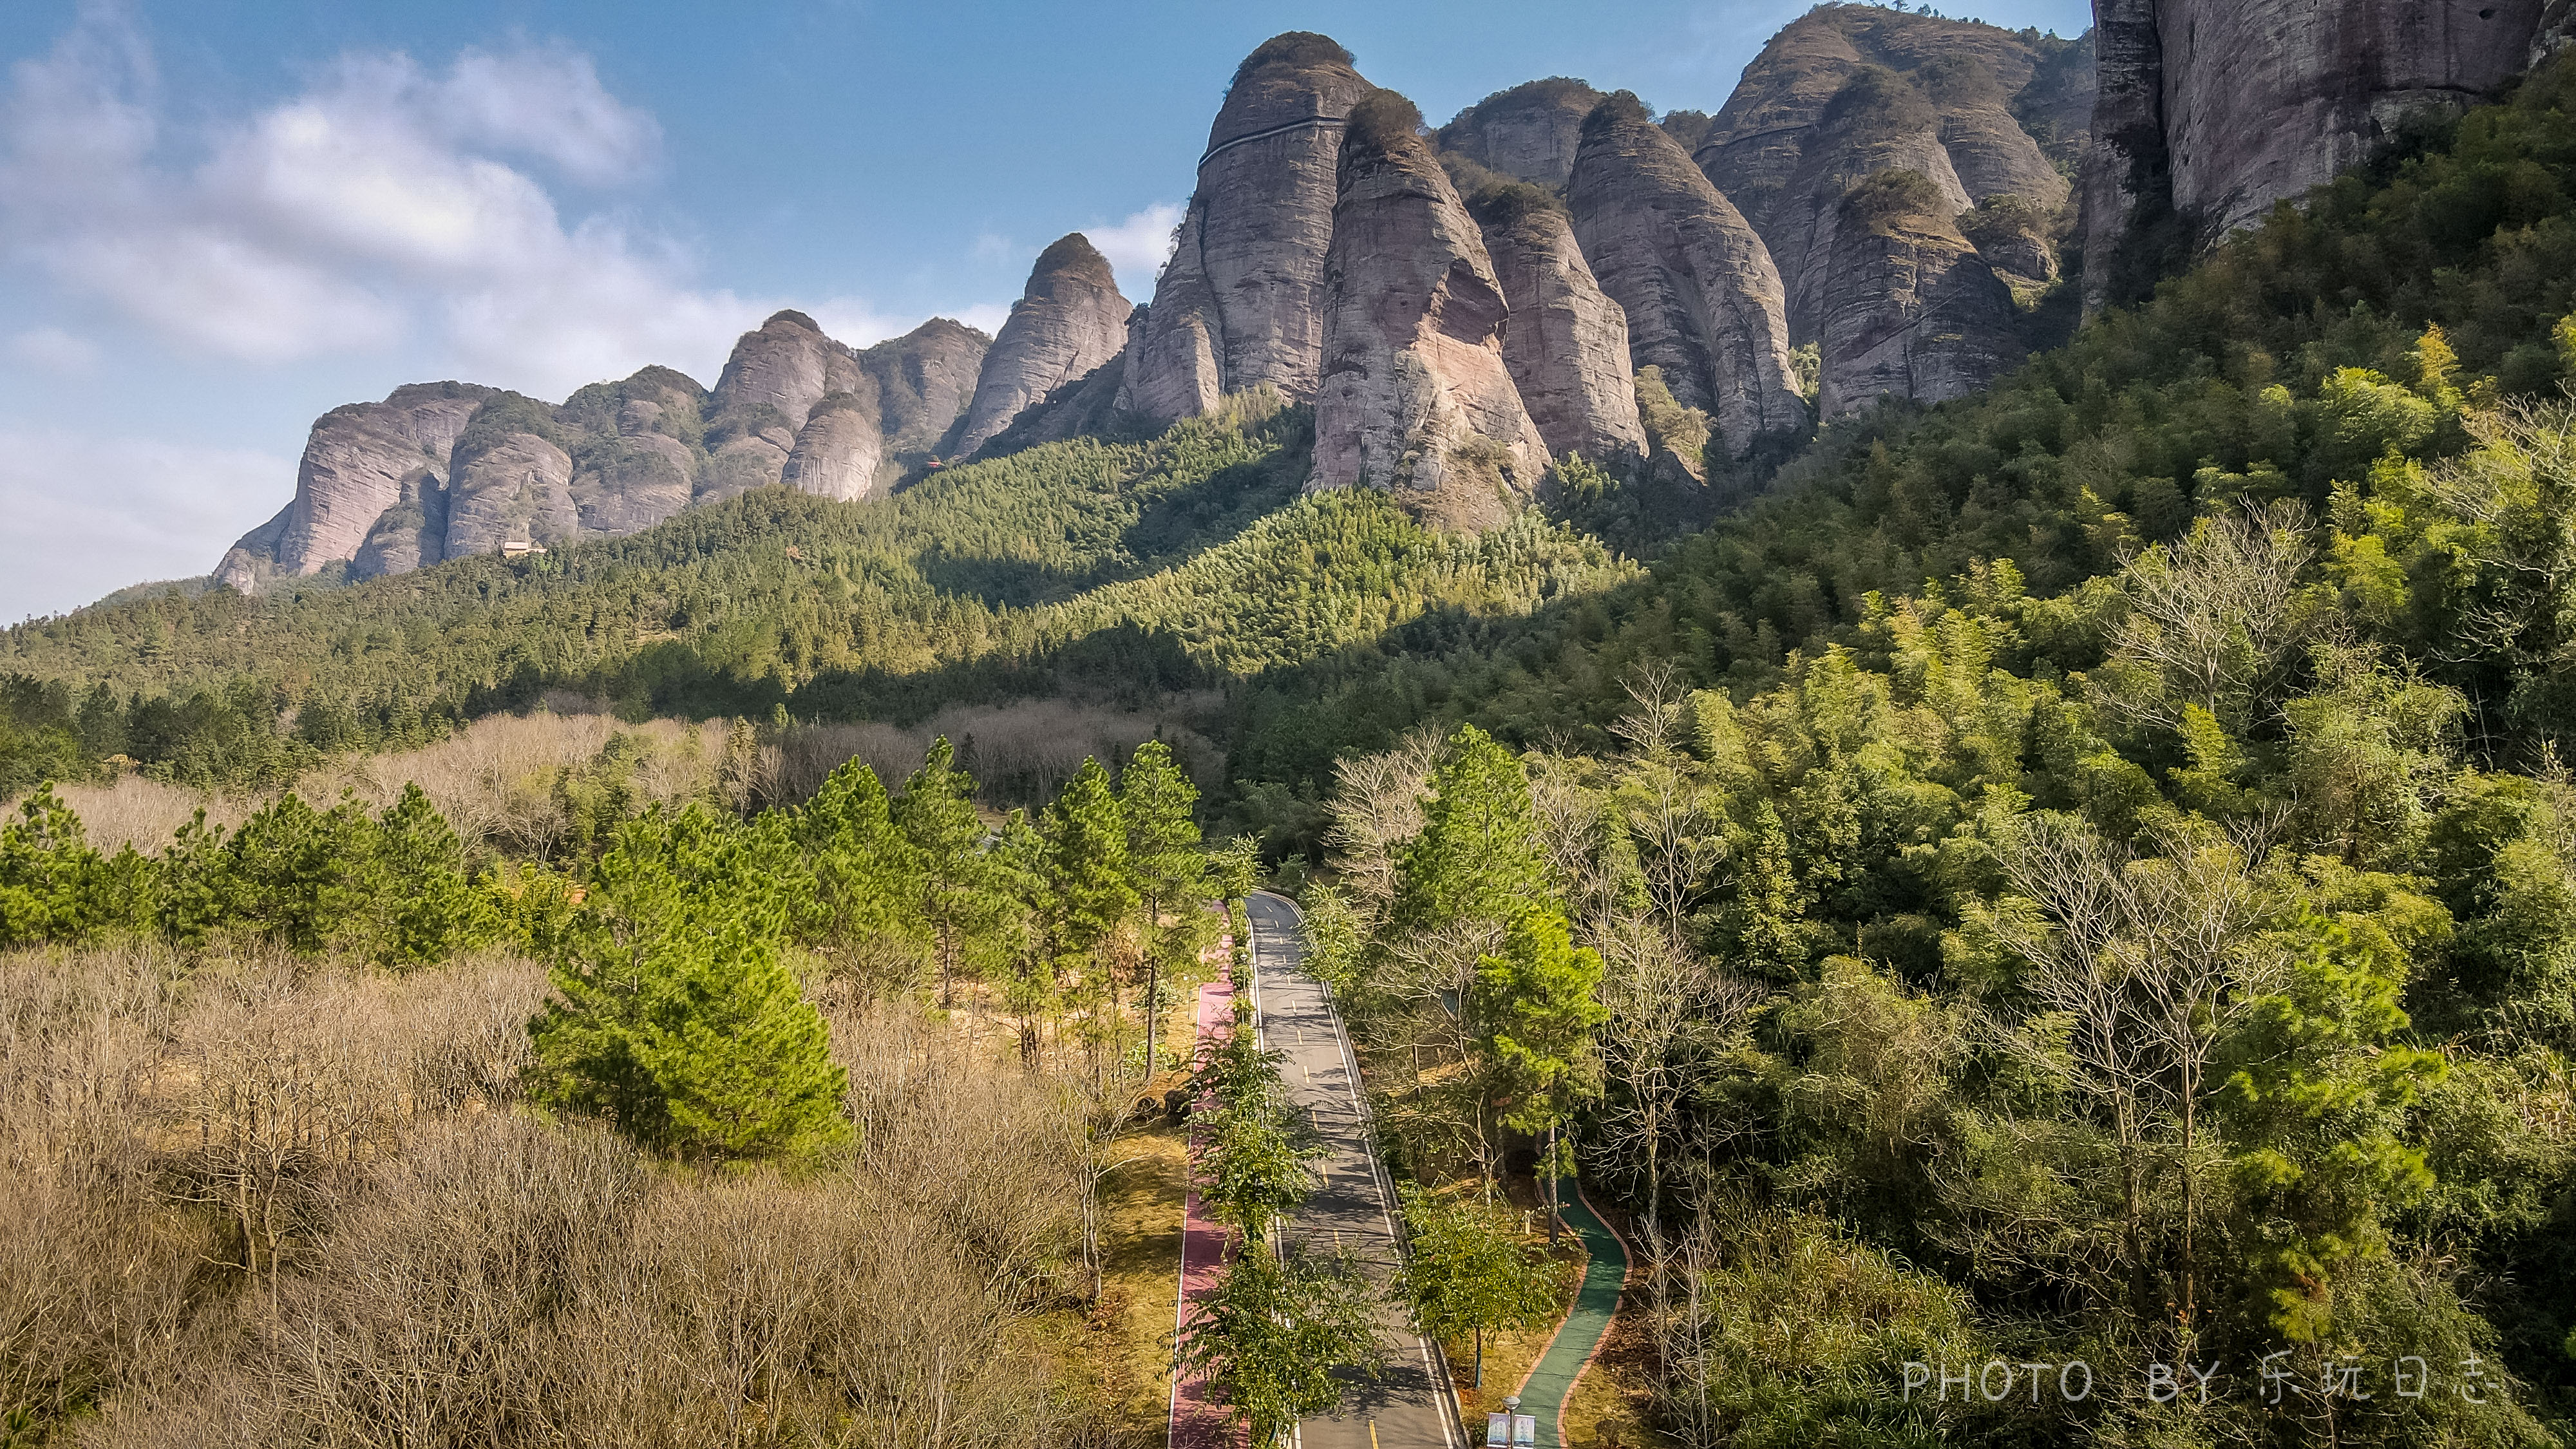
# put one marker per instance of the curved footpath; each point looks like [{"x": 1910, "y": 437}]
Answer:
[
  {"x": 1409, "y": 1405},
  {"x": 1551, "y": 1381}
]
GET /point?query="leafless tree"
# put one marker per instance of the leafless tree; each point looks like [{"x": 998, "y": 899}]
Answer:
[
  {"x": 2143, "y": 966},
  {"x": 2214, "y": 620},
  {"x": 1376, "y": 806}
]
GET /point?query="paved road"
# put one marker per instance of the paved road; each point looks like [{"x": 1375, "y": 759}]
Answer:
[
  {"x": 1551, "y": 1380},
  {"x": 1408, "y": 1406}
]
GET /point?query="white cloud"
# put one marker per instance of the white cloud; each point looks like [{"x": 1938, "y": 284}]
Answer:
[
  {"x": 381, "y": 206},
  {"x": 548, "y": 104},
  {"x": 985, "y": 317},
  {"x": 992, "y": 246},
  {"x": 53, "y": 350},
  {"x": 1138, "y": 247},
  {"x": 86, "y": 514}
]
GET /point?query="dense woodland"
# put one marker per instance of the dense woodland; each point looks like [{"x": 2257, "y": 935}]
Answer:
[{"x": 2084, "y": 873}]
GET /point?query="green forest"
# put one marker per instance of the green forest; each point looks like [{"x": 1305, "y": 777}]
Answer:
[{"x": 2085, "y": 874}]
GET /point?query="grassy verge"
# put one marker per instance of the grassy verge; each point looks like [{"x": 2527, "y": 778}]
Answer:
[{"x": 1119, "y": 1358}]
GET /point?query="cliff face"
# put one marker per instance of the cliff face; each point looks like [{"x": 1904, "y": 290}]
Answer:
[
  {"x": 1566, "y": 342},
  {"x": 1070, "y": 320},
  {"x": 358, "y": 462},
  {"x": 841, "y": 450},
  {"x": 1416, "y": 398},
  {"x": 452, "y": 470},
  {"x": 1909, "y": 309},
  {"x": 514, "y": 486},
  {"x": 1847, "y": 92},
  {"x": 2212, "y": 110},
  {"x": 924, "y": 380},
  {"x": 1240, "y": 304},
  {"x": 1703, "y": 300},
  {"x": 1528, "y": 133}
]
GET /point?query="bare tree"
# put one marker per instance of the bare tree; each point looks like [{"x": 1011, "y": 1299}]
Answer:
[
  {"x": 2143, "y": 966},
  {"x": 2214, "y": 620},
  {"x": 1376, "y": 806}
]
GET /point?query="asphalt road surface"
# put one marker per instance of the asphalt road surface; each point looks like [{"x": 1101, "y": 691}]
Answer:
[{"x": 1407, "y": 1406}]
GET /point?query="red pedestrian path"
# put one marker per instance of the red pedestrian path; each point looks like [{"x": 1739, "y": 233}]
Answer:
[{"x": 1197, "y": 1420}]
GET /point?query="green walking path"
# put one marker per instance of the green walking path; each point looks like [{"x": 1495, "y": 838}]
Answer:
[{"x": 1551, "y": 1381}]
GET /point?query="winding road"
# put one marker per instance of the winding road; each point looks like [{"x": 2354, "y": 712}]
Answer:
[{"x": 1408, "y": 1406}]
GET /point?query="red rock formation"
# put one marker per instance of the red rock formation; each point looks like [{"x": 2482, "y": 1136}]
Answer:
[
  {"x": 1070, "y": 320},
  {"x": 1416, "y": 398},
  {"x": 1240, "y": 304},
  {"x": 1566, "y": 342},
  {"x": 1704, "y": 302}
]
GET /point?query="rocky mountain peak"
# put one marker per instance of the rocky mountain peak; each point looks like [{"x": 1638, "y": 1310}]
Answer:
[
  {"x": 1240, "y": 304},
  {"x": 1416, "y": 398},
  {"x": 1704, "y": 303},
  {"x": 1528, "y": 133},
  {"x": 1846, "y": 92},
  {"x": 1070, "y": 320}
]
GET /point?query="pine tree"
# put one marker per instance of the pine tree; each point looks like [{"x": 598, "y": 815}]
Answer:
[
  {"x": 1477, "y": 859},
  {"x": 305, "y": 876},
  {"x": 431, "y": 909},
  {"x": 868, "y": 879},
  {"x": 1535, "y": 1005},
  {"x": 1087, "y": 862},
  {"x": 936, "y": 815},
  {"x": 1157, "y": 801},
  {"x": 675, "y": 1013}
]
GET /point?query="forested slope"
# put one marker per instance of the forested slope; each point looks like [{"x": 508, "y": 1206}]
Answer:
[
  {"x": 1122, "y": 569},
  {"x": 2080, "y": 876}
]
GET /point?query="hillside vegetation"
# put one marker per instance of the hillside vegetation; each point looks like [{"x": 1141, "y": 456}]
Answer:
[
  {"x": 2082, "y": 874},
  {"x": 1123, "y": 570}
]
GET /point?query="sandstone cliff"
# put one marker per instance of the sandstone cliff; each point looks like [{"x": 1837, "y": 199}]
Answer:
[
  {"x": 924, "y": 380},
  {"x": 1566, "y": 342},
  {"x": 1528, "y": 133},
  {"x": 769, "y": 387},
  {"x": 2210, "y": 111},
  {"x": 1846, "y": 92},
  {"x": 357, "y": 463},
  {"x": 1240, "y": 303},
  {"x": 513, "y": 481},
  {"x": 1910, "y": 311},
  {"x": 1703, "y": 300},
  {"x": 1070, "y": 320},
  {"x": 841, "y": 450},
  {"x": 1416, "y": 398},
  {"x": 451, "y": 470}
]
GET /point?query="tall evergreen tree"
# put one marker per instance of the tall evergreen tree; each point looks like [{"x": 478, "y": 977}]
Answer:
[
  {"x": 431, "y": 908},
  {"x": 936, "y": 816},
  {"x": 675, "y": 1013},
  {"x": 1157, "y": 801},
  {"x": 869, "y": 890},
  {"x": 1087, "y": 863},
  {"x": 1536, "y": 1004},
  {"x": 1477, "y": 860}
]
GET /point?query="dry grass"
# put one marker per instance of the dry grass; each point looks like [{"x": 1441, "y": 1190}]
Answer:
[
  {"x": 497, "y": 779},
  {"x": 255, "y": 1201},
  {"x": 145, "y": 813},
  {"x": 1022, "y": 753}
]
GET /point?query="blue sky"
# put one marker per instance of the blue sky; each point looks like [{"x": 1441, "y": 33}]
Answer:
[{"x": 219, "y": 220}]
